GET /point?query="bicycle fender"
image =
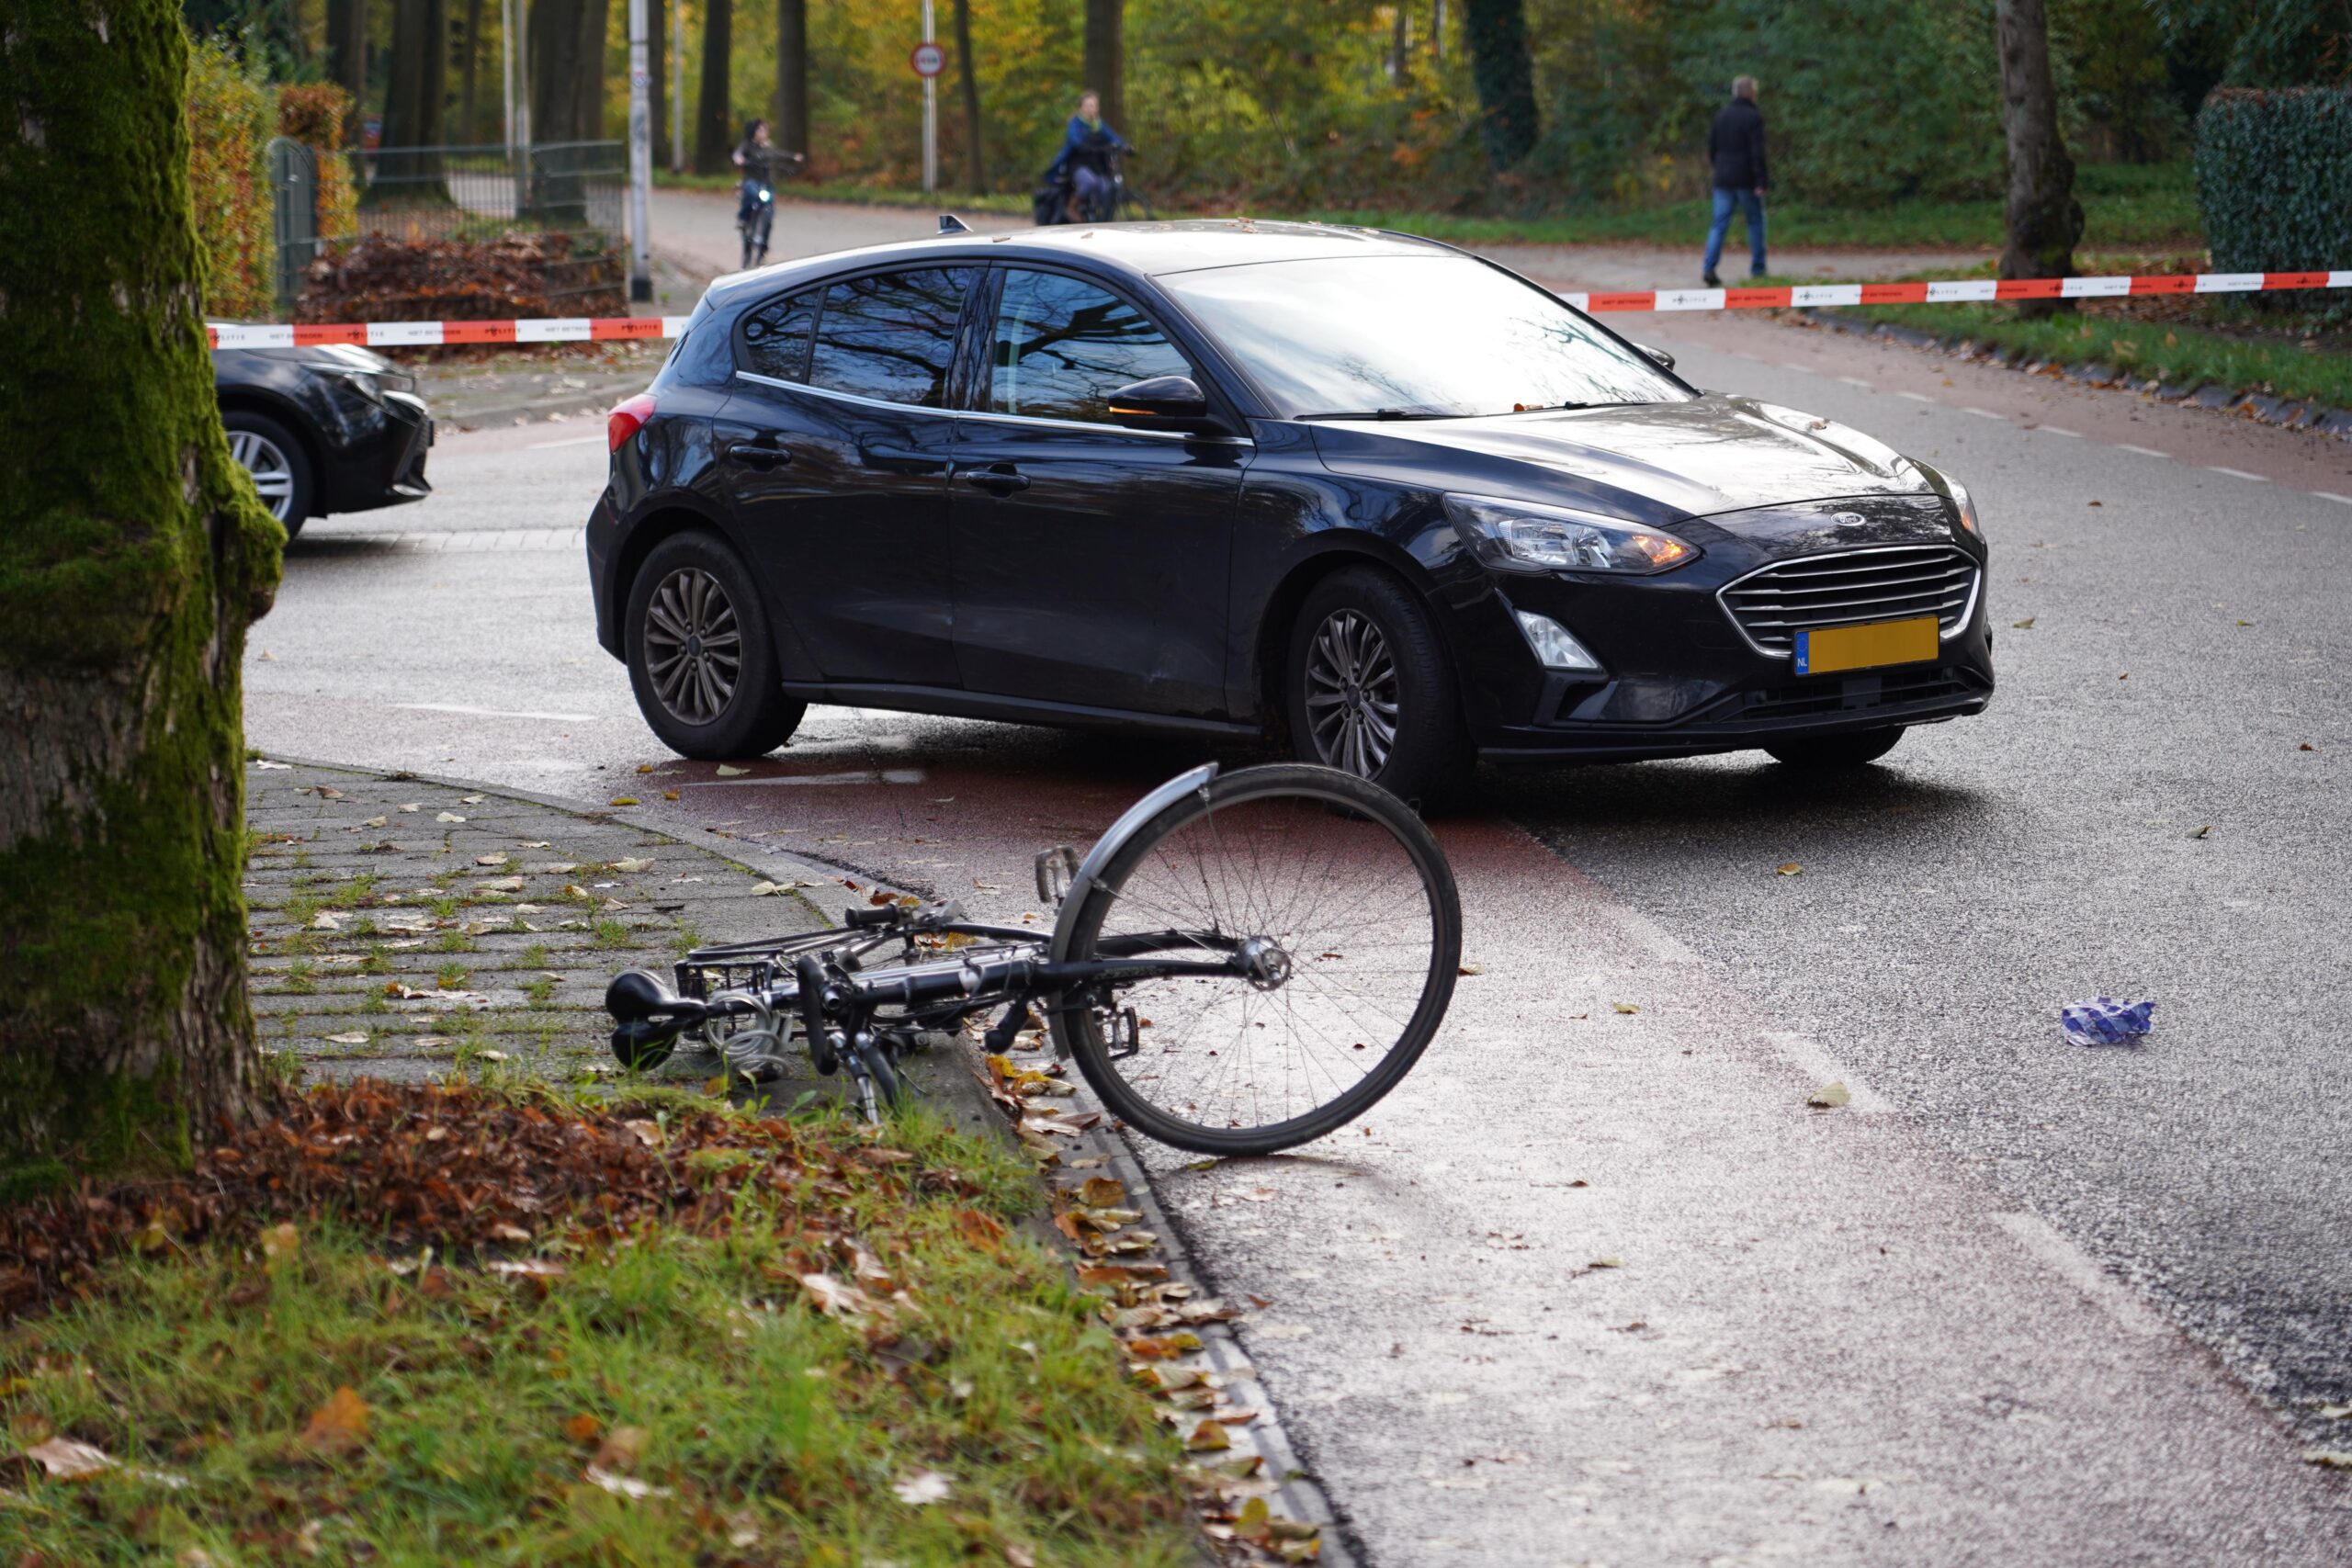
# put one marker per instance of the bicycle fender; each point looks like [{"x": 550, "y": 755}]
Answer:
[{"x": 1112, "y": 842}]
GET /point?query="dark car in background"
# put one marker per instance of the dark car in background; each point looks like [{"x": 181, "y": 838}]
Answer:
[
  {"x": 330, "y": 428},
  {"x": 1363, "y": 491}
]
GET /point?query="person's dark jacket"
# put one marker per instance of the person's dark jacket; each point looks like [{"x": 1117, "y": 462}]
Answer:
[
  {"x": 1735, "y": 144},
  {"x": 1085, "y": 146}
]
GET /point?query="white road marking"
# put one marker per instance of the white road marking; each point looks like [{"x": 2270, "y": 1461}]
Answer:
[
  {"x": 497, "y": 713},
  {"x": 859, "y": 776},
  {"x": 2331, "y": 495},
  {"x": 1814, "y": 1060},
  {"x": 2054, "y": 430},
  {"x": 568, "y": 441},
  {"x": 2076, "y": 1267},
  {"x": 1986, "y": 414},
  {"x": 1857, "y": 381},
  {"x": 2237, "y": 473},
  {"x": 1916, "y": 397},
  {"x": 2143, "y": 451}
]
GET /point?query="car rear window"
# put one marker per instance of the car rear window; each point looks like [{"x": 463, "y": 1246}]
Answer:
[
  {"x": 890, "y": 336},
  {"x": 1063, "y": 347},
  {"x": 775, "y": 336}
]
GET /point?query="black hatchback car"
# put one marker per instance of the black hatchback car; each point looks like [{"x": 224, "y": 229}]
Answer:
[
  {"x": 325, "y": 428},
  {"x": 1363, "y": 491}
]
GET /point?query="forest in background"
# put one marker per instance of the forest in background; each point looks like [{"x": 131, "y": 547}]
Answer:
[{"x": 1512, "y": 108}]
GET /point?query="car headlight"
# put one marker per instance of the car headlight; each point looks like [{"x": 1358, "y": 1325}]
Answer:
[
  {"x": 1526, "y": 535},
  {"x": 1963, "y": 505}
]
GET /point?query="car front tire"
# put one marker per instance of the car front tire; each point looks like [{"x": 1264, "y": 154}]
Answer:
[
  {"x": 1835, "y": 753},
  {"x": 701, "y": 658},
  {"x": 1370, "y": 691},
  {"x": 277, "y": 463}
]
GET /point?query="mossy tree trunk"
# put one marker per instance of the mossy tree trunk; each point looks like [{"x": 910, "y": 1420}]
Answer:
[
  {"x": 132, "y": 556},
  {"x": 2045, "y": 221},
  {"x": 1504, "y": 73}
]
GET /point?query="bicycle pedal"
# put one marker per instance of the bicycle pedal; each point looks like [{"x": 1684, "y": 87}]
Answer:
[
  {"x": 1127, "y": 1033},
  {"x": 1056, "y": 869}
]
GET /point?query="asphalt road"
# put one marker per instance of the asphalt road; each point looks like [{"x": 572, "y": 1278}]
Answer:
[{"x": 2009, "y": 1306}]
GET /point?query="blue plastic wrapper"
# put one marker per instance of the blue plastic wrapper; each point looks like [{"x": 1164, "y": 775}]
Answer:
[{"x": 2105, "y": 1021}]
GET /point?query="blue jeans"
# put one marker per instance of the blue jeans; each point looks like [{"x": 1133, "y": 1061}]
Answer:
[
  {"x": 1093, "y": 189},
  {"x": 1749, "y": 202}
]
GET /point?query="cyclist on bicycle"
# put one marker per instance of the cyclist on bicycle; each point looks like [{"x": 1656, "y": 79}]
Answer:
[
  {"x": 1089, "y": 145},
  {"x": 763, "y": 163}
]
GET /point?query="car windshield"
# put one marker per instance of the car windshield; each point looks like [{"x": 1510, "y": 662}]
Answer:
[{"x": 1411, "y": 337}]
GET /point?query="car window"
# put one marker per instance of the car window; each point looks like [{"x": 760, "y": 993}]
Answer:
[
  {"x": 1063, "y": 347},
  {"x": 1434, "y": 336},
  {"x": 892, "y": 335},
  {"x": 775, "y": 336}
]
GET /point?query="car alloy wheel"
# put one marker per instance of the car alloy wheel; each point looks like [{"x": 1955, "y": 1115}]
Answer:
[
  {"x": 272, "y": 470},
  {"x": 693, "y": 645},
  {"x": 1353, "y": 696}
]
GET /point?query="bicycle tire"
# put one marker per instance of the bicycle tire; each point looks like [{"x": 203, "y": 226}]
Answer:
[
  {"x": 1357, "y": 814},
  {"x": 880, "y": 1076}
]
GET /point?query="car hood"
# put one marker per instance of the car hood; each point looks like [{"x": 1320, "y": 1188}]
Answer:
[{"x": 1645, "y": 462}]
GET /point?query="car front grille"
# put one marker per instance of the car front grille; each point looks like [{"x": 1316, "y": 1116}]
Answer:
[
  {"x": 1892, "y": 583},
  {"x": 1851, "y": 695}
]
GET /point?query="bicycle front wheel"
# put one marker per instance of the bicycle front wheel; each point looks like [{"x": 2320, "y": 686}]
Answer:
[{"x": 1346, "y": 911}]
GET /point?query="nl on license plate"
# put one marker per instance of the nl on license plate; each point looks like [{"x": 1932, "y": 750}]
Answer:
[{"x": 1866, "y": 648}]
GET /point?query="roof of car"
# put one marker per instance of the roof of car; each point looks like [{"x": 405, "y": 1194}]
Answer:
[{"x": 1150, "y": 249}]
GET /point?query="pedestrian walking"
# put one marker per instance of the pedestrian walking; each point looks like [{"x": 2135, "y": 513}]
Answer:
[{"x": 1735, "y": 148}]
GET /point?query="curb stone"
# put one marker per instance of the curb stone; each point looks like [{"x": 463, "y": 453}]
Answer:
[{"x": 2241, "y": 403}]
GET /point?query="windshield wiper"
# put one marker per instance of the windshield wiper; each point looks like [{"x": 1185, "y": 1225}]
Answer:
[{"x": 1382, "y": 413}]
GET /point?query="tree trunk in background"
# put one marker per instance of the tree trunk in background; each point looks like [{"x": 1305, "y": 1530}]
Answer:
[
  {"x": 969, "y": 71},
  {"x": 566, "y": 105},
  {"x": 2045, "y": 221},
  {"x": 1504, "y": 75},
  {"x": 791, "y": 128},
  {"x": 657, "y": 62},
  {"x": 347, "y": 54},
  {"x": 1437, "y": 32},
  {"x": 412, "y": 107},
  {"x": 465, "y": 131},
  {"x": 1106, "y": 58},
  {"x": 1400, "y": 46},
  {"x": 713, "y": 114},
  {"x": 132, "y": 557}
]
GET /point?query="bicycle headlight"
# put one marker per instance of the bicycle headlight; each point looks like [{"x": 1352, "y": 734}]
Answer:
[{"x": 1526, "y": 535}]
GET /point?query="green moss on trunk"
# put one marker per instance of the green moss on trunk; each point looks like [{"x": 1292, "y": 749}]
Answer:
[{"x": 132, "y": 556}]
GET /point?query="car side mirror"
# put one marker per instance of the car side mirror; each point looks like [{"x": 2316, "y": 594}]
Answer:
[
  {"x": 1665, "y": 360},
  {"x": 1164, "y": 402}
]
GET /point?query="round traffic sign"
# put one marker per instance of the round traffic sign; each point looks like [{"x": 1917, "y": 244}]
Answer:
[{"x": 928, "y": 59}]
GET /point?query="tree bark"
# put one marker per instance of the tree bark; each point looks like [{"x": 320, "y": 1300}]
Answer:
[
  {"x": 1400, "y": 46},
  {"x": 657, "y": 62},
  {"x": 347, "y": 52},
  {"x": 975, "y": 157},
  {"x": 1505, "y": 76},
  {"x": 132, "y": 556},
  {"x": 566, "y": 105},
  {"x": 2045, "y": 221},
  {"x": 412, "y": 107},
  {"x": 790, "y": 111},
  {"x": 1106, "y": 59},
  {"x": 465, "y": 123},
  {"x": 715, "y": 114}
]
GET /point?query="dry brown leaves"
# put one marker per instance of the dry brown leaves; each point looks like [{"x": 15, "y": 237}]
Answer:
[{"x": 453, "y": 1166}]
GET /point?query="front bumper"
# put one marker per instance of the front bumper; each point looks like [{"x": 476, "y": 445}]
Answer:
[
  {"x": 381, "y": 462},
  {"x": 1680, "y": 677}
]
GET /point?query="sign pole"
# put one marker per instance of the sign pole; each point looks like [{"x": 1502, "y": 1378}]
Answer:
[
  {"x": 641, "y": 155},
  {"x": 930, "y": 110}
]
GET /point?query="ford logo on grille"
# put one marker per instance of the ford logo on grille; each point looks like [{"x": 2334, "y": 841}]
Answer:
[{"x": 1850, "y": 519}]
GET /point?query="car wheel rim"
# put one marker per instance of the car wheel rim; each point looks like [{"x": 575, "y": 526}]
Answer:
[
  {"x": 1353, "y": 695},
  {"x": 693, "y": 645},
  {"x": 273, "y": 473}
]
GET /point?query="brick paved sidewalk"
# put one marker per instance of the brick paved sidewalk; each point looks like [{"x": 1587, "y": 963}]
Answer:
[{"x": 407, "y": 929}]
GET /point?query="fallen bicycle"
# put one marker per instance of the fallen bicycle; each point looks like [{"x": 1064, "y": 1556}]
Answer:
[{"x": 1243, "y": 963}]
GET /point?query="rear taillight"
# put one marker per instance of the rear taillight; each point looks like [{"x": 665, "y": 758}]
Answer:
[{"x": 626, "y": 419}]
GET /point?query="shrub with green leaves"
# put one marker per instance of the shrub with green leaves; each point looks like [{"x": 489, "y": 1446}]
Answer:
[
  {"x": 231, "y": 112},
  {"x": 2274, "y": 177}
]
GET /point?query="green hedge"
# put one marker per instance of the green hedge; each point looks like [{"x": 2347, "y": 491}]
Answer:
[{"x": 2274, "y": 178}]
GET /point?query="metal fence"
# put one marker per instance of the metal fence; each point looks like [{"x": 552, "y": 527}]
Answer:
[{"x": 574, "y": 188}]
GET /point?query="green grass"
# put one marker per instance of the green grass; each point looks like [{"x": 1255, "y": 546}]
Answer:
[
  {"x": 769, "y": 1433},
  {"x": 611, "y": 934},
  {"x": 2151, "y": 206}
]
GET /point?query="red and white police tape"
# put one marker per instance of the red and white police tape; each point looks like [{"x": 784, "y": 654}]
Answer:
[{"x": 604, "y": 329}]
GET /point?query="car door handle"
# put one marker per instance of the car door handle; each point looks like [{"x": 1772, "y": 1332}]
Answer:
[
  {"x": 998, "y": 480},
  {"x": 755, "y": 453}
]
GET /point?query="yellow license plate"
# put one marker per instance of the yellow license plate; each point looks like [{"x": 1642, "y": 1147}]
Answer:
[{"x": 1866, "y": 648}]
